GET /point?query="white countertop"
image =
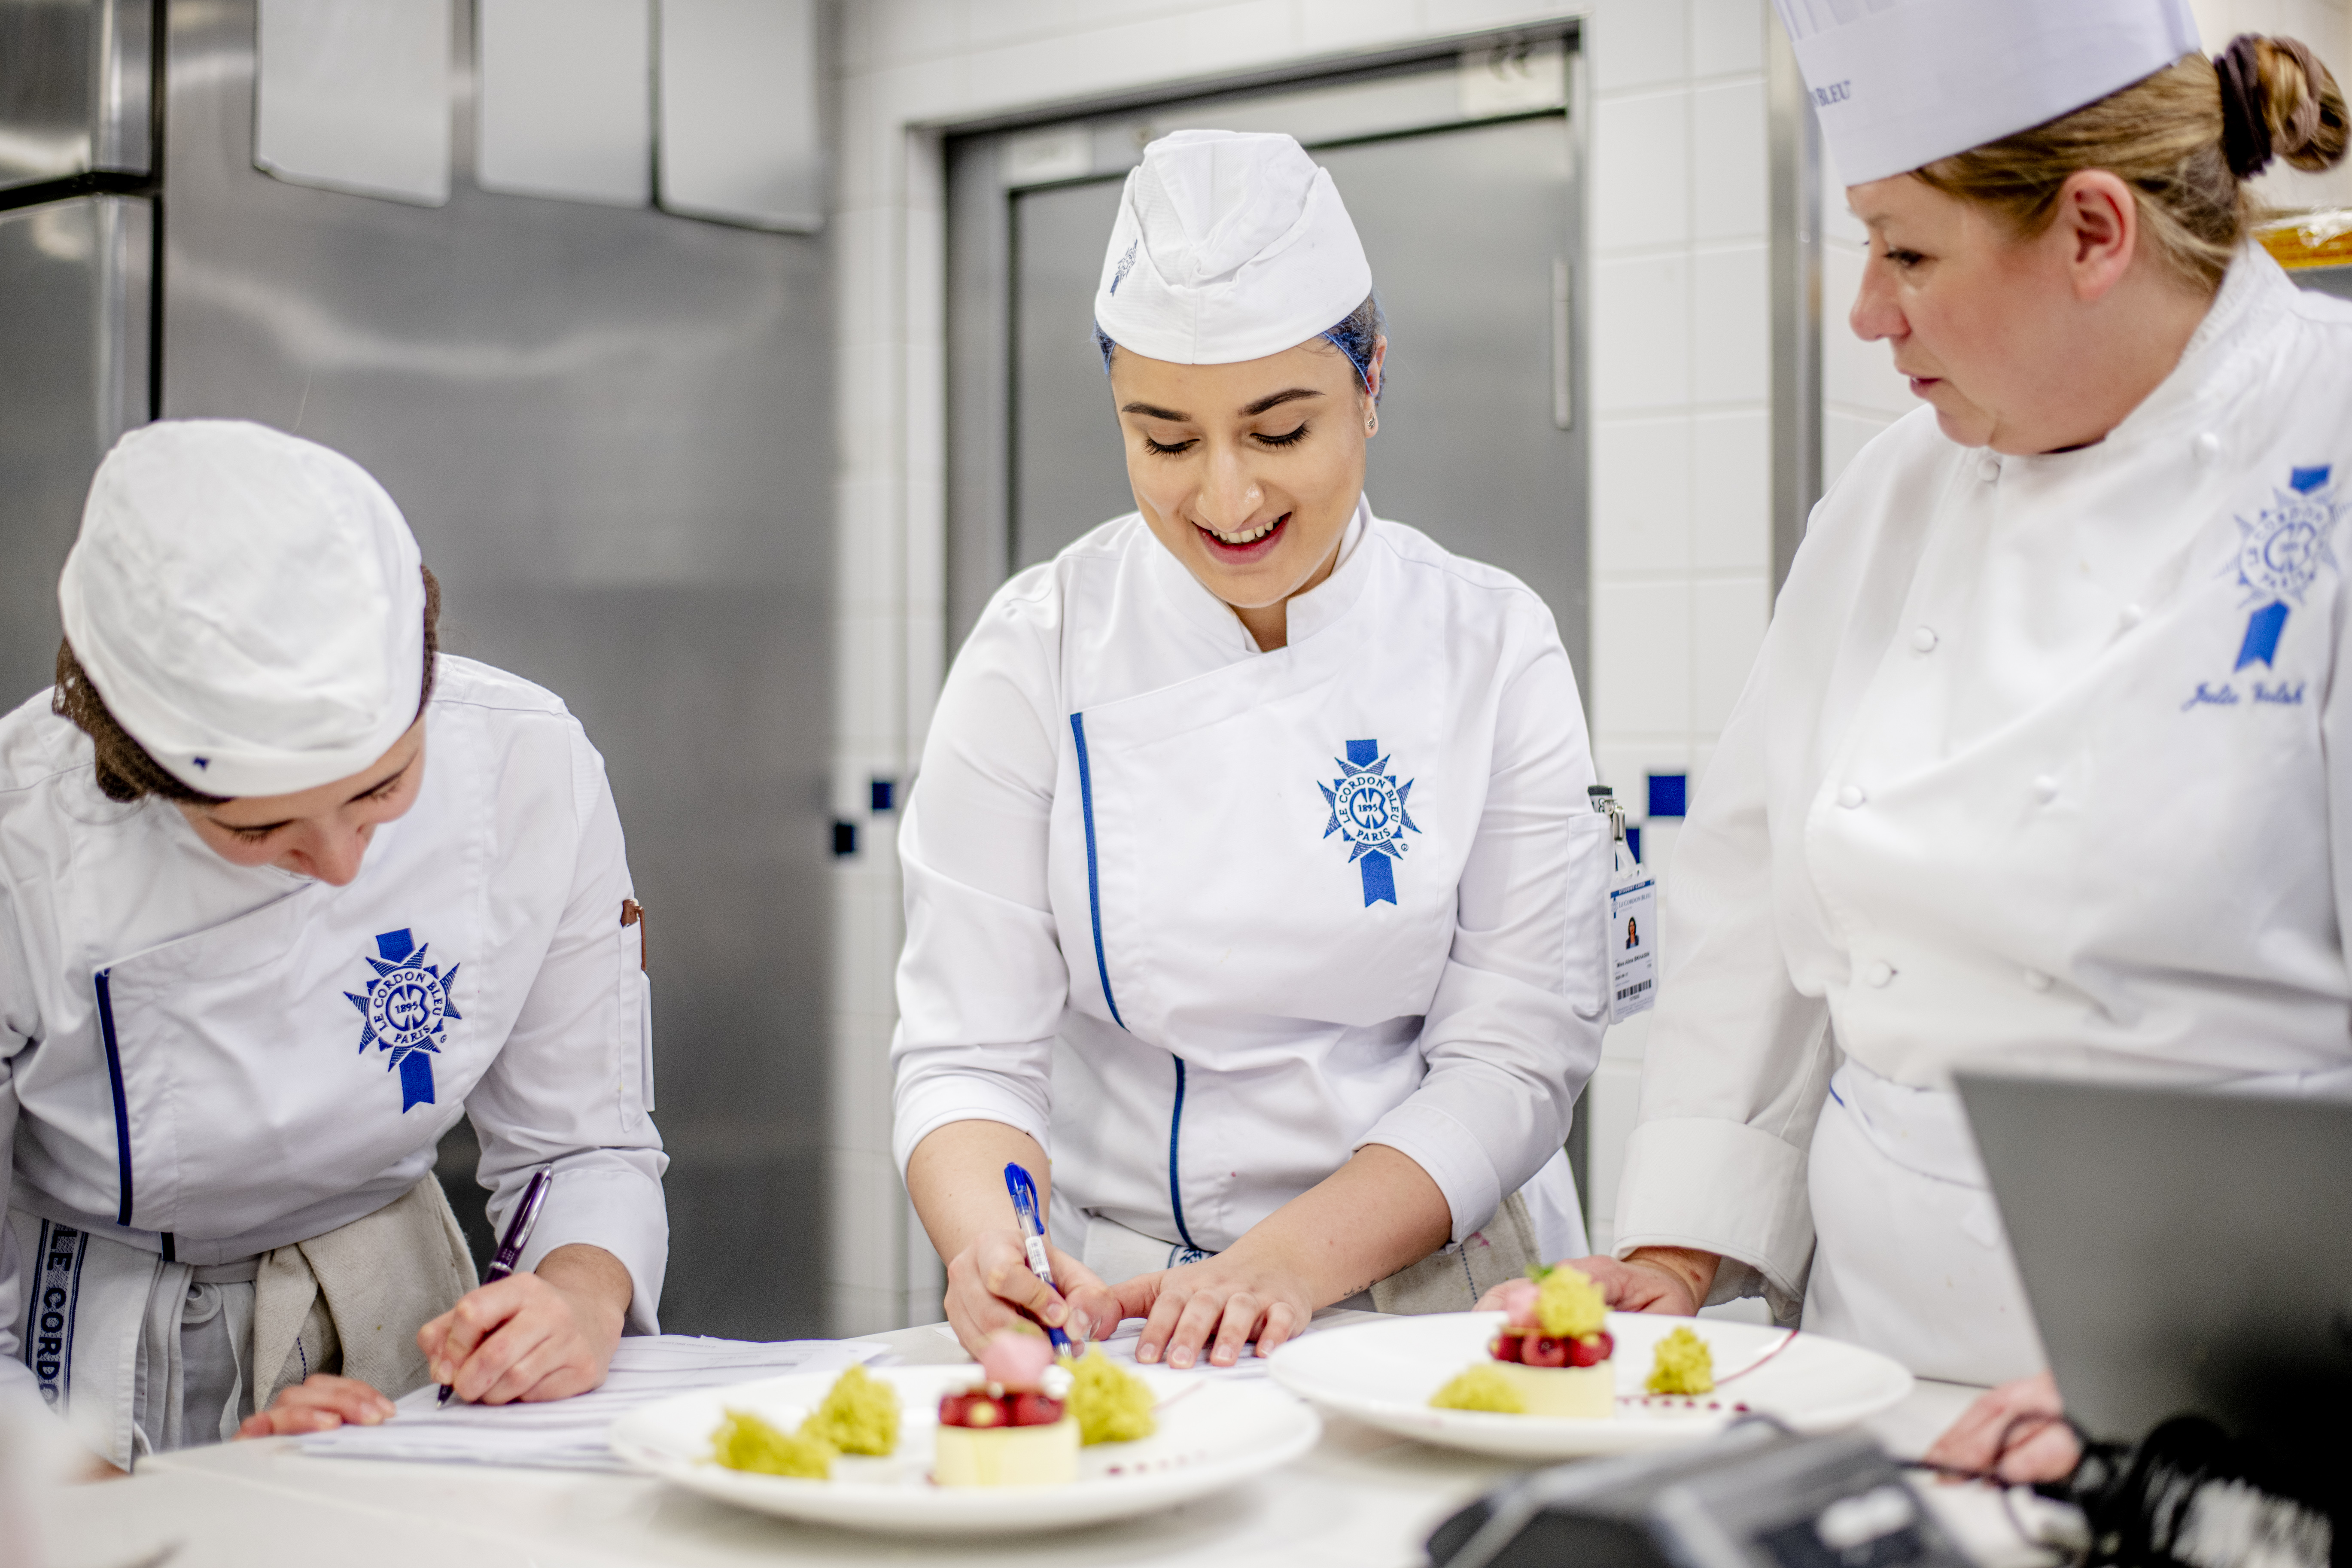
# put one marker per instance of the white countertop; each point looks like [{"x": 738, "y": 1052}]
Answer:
[{"x": 1362, "y": 1498}]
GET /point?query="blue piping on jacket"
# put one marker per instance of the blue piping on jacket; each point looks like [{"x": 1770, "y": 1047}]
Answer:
[
  {"x": 1175, "y": 1127},
  {"x": 1094, "y": 881},
  {"x": 114, "y": 1080}
]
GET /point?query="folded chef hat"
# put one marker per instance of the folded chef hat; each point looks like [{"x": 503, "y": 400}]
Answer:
[
  {"x": 1900, "y": 83},
  {"x": 249, "y": 604},
  {"x": 1228, "y": 246}
]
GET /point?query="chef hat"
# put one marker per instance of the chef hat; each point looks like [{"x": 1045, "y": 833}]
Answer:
[
  {"x": 1897, "y": 84},
  {"x": 1229, "y": 246},
  {"x": 249, "y": 604}
]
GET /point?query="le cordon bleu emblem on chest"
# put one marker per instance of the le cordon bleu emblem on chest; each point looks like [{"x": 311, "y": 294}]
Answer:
[
  {"x": 2280, "y": 550},
  {"x": 407, "y": 1009},
  {"x": 1368, "y": 812}
]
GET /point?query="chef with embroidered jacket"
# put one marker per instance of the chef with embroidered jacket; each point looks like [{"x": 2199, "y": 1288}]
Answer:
[
  {"x": 1250, "y": 875},
  {"x": 2038, "y": 765},
  {"x": 284, "y": 892}
]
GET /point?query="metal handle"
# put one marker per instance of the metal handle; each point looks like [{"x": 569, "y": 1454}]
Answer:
[{"x": 1563, "y": 392}]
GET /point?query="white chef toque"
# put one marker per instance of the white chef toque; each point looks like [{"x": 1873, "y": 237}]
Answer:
[
  {"x": 1229, "y": 246},
  {"x": 1897, "y": 84},
  {"x": 248, "y": 605}
]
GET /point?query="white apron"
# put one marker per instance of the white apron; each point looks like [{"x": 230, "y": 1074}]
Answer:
[{"x": 1348, "y": 891}]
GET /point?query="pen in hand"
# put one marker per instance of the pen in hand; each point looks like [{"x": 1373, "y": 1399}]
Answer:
[
  {"x": 1033, "y": 1235},
  {"x": 510, "y": 1246}
]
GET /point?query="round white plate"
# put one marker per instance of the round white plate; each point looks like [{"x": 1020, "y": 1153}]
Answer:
[
  {"x": 1384, "y": 1373},
  {"x": 1212, "y": 1434}
]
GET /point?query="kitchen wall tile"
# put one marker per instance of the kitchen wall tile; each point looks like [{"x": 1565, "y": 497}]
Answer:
[
  {"x": 1726, "y": 629},
  {"x": 1641, "y": 658},
  {"x": 1730, "y": 177},
  {"x": 1330, "y": 26},
  {"x": 1640, "y": 171},
  {"x": 1731, "y": 491},
  {"x": 1642, "y": 482},
  {"x": 1732, "y": 327},
  {"x": 1641, "y": 319},
  {"x": 1728, "y": 36},
  {"x": 1639, "y": 43}
]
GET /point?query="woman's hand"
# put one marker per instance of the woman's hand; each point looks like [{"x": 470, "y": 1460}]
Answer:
[
  {"x": 544, "y": 1335},
  {"x": 1669, "y": 1279},
  {"x": 987, "y": 1280},
  {"x": 319, "y": 1403},
  {"x": 1220, "y": 1303},
  {"x": 2017, "y": 1432}
]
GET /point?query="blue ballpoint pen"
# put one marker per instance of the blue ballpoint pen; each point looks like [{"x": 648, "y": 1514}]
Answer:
[
  {"x": 1033, "y": 1234},
  {"x": 510, "y": 1246}
]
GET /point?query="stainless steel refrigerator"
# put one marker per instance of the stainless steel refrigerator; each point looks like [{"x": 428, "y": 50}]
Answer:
[{"x": 611, "y": 430}]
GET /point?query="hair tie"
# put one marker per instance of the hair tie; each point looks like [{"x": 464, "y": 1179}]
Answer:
[{"x": 2245, "y": 129}]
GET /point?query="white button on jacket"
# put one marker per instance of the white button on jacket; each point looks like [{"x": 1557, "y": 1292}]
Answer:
[
  {"x": 222, "y": 1060},
  {"x": 2186, "y": 892},
  {"x": 1203, "y": 921}
]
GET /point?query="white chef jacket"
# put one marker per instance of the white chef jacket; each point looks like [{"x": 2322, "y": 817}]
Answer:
[
  {"x": 209, "y": 1060},
  {"x": 1203, "y": 920},
  {"x": 2036, "y": 769}
]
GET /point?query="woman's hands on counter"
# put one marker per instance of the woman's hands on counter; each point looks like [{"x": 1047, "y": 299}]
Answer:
[
  {"x": 1670, "y": 1279},
  {"x": 548, "y": 1334},
  {"x": 2017, "y": 1431},
  {"x": 319, "y": 1403},
  {"x": 990, "y": 1287}
]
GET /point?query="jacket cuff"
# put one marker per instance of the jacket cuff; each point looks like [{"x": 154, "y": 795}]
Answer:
[
  {"x": 939, "y": 1099},
  {"x": 1723, "y": 1187},
  {"x": 1453, "y": 1156},
  {"x": 620, "y": 1210}
]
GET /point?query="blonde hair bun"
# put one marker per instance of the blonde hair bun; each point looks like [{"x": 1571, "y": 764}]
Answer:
[{"x": 2301, "y": 104}]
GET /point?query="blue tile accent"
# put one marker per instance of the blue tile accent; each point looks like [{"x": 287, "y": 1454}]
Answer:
[
  {"x": 1634, "y": 843},
  {"x": 1669, "y": 793},
  {"x": 884, "y": 794}
]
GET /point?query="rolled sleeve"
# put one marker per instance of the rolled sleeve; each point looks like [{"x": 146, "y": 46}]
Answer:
[
  {"x": 1514, "y": 1030},
  {"x": 567, "y": 1089}
]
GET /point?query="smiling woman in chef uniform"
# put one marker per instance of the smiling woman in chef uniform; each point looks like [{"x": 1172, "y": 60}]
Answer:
[
  {"x": 1250, "y": 871},
  {"x": 283, "y": 894},
  {"x": 2036, "y": 766}
]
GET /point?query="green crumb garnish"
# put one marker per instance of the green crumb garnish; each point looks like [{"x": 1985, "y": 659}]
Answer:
[
  {"x": 1568, "y": 1305},
  {"x": 1684, "y": 1365},
  {"x": 745, "y": 1442},
  {"x": 859, "y": 1415},
  {"x": 1480, "y": 1388},
  {"x": 1111, "y": 1405}
]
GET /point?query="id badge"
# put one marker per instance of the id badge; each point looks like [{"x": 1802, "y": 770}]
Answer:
[{"x": 1633, "y": 946}]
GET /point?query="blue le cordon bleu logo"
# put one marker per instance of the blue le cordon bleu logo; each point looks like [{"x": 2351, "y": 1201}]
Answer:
[
  {"x": 2279, "y": 553},
  {"x": 405, "y": 1008},
  {"x": 1368, "y": 811}
]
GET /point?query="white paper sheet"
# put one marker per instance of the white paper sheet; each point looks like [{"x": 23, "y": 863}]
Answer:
[{"x": 570, "y": 1434}]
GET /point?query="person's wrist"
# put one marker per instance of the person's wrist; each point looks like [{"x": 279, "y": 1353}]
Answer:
[{"x": 1691, "y": 1269}]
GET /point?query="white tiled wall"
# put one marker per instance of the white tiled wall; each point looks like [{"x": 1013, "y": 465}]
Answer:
[{"x": 1681, "y": 528}]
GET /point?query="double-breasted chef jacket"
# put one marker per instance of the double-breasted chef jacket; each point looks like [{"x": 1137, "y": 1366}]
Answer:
[
  {"x": 2037, "y": 767},
  {"x": 209, "y": 1060},
  {"x": 1203, "y": 921}
]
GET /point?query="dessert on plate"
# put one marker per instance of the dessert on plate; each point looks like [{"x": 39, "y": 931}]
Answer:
[
  {"x": 1006, "y": 1430},
  {"x": 1552, "y": 1356},
  {"x": 1684, "y": 1365}
]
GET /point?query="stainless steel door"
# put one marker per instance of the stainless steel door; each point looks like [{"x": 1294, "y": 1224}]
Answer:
[{"x": 612, "y": 432}]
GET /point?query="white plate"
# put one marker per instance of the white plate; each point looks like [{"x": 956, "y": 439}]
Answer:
[
  {"x": 1212, "y": 1434},
  {"x": 1384, "y": 1373}
]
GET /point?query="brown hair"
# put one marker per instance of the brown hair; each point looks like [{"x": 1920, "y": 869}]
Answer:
[
  {"x": 2169, "y": 137},
  {"x": 125, "y": 771}
]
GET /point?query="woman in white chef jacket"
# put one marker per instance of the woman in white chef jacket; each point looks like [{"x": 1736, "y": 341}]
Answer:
[
  {"x": 283, "y": 894},
  {"x": 1250, "y": 873},
  {"x": 2036, "y": 762}
]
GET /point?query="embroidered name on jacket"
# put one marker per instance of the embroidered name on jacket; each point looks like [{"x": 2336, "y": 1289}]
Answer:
[
  {"x": 2279, "y": 553},
  {"x": 1368, "y": 811},
  {"x": 405, "y": 1007}
]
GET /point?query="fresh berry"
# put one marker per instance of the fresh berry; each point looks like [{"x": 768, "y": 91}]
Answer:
[
  {"x": 1542, "y": 1350},
  {"x": 1589, "y": 1351},
  {"x": 1028, "y": 1409},
  {"x": 1506, "y": 1346},
  {"x": 977, "y": 1407}
]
